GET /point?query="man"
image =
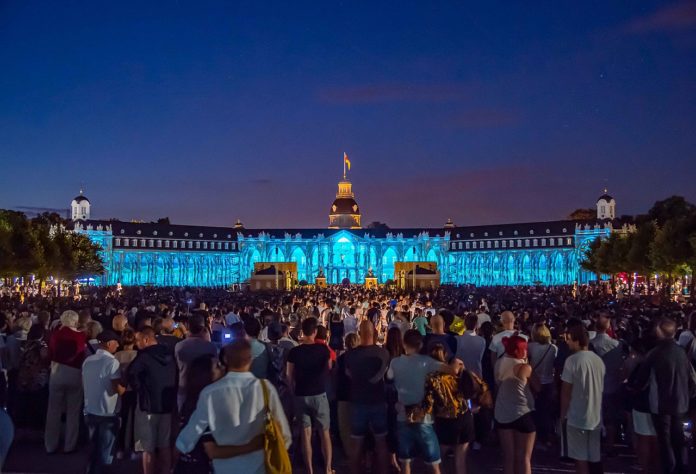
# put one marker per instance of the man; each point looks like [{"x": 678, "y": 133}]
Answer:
[
  {"x": 482, "y": 317},
  {"x": 581, "y": 402},
  {"x": 350, "y": 321},
  {"x": 507, "y": 320},
  {"x": 259, "y": 351},
  {"x": 195, "y": 345},
  {"x": 285, "y": 340},
  {"x": 602, "y": 342},
  {"x": 366, "y": 366},
  {"x": 470, "y": 346},
  {"x": 672, "y": 383},
  {"x": 439, "y": 336},
  {"x": 152, "y": 374},
  {"x": 101, "y": 378},
  {"x": 307, "y": 372},
  {"x": 420, "y": 322},
  {"x": 409, "y": 373},
  {"x": 400, "y": 321},
  {"x": 233, "y": 410}
]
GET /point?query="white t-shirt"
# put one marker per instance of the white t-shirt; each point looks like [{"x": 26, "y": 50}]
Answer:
[
  {"x": 482, "y": 318},
  {"x": 497, "y": 341},
  {"x": 98, "y": 371},
  {"x": 585, "y": 371}
]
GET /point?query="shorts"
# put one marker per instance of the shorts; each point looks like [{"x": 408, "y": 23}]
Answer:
[
  {"x": 524, "y": 424},
  {"x": 152, "y": 430},
  {"x": 453, "y": 431},
  {"x": 365, "y": 418},
  {"x": 643, "y": 424},
  {"x": 313, "y": 409},
  {"x": 584, "y": 445},
  {"x": 417, "y": 435}
]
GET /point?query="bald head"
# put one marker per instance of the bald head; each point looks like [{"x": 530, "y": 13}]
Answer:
[
  {"x": 438, "y": 324},
  {"x": 366, "y": 331},
  {"x": 508, "y": 320},
  {"x": 119, "y": 322}
]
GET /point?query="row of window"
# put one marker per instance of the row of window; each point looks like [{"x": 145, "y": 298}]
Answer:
[
  {"x": 519, "y": 243},
  {"x": 174, "y": 244}
]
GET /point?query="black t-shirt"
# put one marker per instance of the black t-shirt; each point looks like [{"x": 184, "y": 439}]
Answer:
[
  {"x": 364, "y": 364},
  {"x": 342, "y": 379},
  {"x": 311, "y": 368}
]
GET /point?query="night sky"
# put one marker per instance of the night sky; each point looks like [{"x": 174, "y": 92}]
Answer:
[{"x": 486, "y": 112}]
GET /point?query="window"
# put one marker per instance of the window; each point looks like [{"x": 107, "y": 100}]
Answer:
[
  {"x": 488, "y": 244},
  {"x": 461, "y": 245},
  {"x": 166, "y": 244},
  {"x": 220, "y": 246},
  {"x": 512, "y": 244},
  {"x": 531, "y": 232},
  {"x": 175, "y": 244},
  {"x": 205, "y": 245},
  {"x": 602, "y": 210},
  {"x": 535, "y": 242},
  {"x": 467, "y": 245},
  {"x": 496, "y": 244},
  {"x": 227, "y": 246},
  {"x": 135, "y": 242},
  {"x": 125, "y": 242},
  {"x": 118, "y": 242},
  {"x": 142, "y": 242},
  {"x": 190, "y": 244},
  {"x": 234, "y": 245},
  {"x": 151, "y": 243},
  {"x": 504, "y": 243},
  {"x": 551, "y": 242},
  {"x": 526, "y": 242},
  {"x": 474, "y": 245},
  {"x": 560, "y": 241},
  {"x": 198, "y": 245},
  {"x": 159, "y": 244},
  {"x": 519, "y": 243},
  {"x": 543, "y": 242},
  {"x": 569, "y": 241}
]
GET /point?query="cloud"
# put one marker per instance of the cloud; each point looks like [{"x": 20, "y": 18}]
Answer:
[
  {"x": 395, "y": 92},
  {"x": 482, "y": 118},
  {"x": 672, "y": 18}
]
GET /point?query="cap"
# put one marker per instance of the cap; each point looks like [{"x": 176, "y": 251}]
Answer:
[{"x": 106, "y": 336}]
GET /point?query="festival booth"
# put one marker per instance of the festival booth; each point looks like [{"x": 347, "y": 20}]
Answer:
[
  {"x": 370, "y": 280},
  {"x": 416, "y": 275},
  {"x": 273, "y": 276},
  {"x": 320, "y": 280}
]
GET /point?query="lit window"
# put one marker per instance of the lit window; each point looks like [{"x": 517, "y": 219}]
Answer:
[
  {"x": 569, "y": 241},
  {"x": 543, "y": 242},
  {"x": 166, "y": 244},
  {"x": 488, "y": 244},
  {"x": 485, "y": 234},
  {"x": 205, "y": 245},
  {"x": 175, "y": 244},
  {"x": 220, "y": 245},
  {"x": 227, "y": 245},
  {"x": 234, "y": 245},
  {"x": 190, "y": 244},
  {"x": 467, "y": 245},
  {"x": 531, "y": 232},
  {"x": 151, "y": 243},
  {"x": 512, "y": 244},
  {"x": 535, "y": 242},
  {"x": 519, "y": 243},
  {"x": 460, "y": 246},
  {"x": 142, "y": 242},
  {"x": 198, "y": 245},
  {"x": 118, "y": 242},
  {"x": 474, "y": 245},
  {"x": 159, "y": 244},
  {"x": 526, "y": 242},
  {"x": 560, "y": 241},
  {"x": 135, "y": 242},
  {"x": 125, "y": 242},
  {"x": 496, "y": 244}
]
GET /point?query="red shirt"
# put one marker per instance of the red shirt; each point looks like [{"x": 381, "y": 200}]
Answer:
[
  {"x": 67, "y": 346},
  {"x": 331, "y": 351}
]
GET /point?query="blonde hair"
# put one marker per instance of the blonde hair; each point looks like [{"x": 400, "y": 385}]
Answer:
[
  {"x": 69, "y": 319},
  {"x": 352, "y": 340},
  {"x": 24, "y": 323},
  {"x": 541, "y": 333}
]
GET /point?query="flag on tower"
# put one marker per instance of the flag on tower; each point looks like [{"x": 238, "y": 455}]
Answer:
[{"x": 346, "y": 160}]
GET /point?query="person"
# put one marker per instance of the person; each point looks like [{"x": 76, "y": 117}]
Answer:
[
  {"x": 6, "y": 436},
  {"x": 420, "y": 322},
  {"x": 394, "y": 344},
  {"x": 286, "y": 342},
  {"x": 542, "y": 357},
  {"x": 414, "y": 427},
  {"x": 336, "y": 332},
  {"x": 471, "y": 346},
  {"x": 581, "y": 401},
  {"x": 602, "y": 343},
  {"x": 186, "y": 351},
  {"x": 204, "y": 370},
  {"x": 350, "y": 321},
  {"x": 277, "y": 358},
  {"x": 152, "y": 374},
  {"x": 366, "y": 366},
  {"x": 671, "y": 383},
  {"x": 343, "y": 391},
  {"x": 119, "y": 323},
  {"x": 259, "y": 351},
  {"x": 129, "y": 400},
  {"x": 507, "y": 320},
  {"x": 101, "y": 384},
  {"x": 307, "y": 371},
  {"x": 233, "y": 411},
  {"x": 32, "y": 380},
  {"x": 514, "y": 407},
  {"x": 66, "y": 349},
  {"x": 438, "y": 336},
  {"x": 92, "y": 330},
  {"x": 482, "y": 316},
  {"x": 446, "y": 400}
]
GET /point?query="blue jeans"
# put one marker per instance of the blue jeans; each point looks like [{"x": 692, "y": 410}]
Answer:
[
  {"x": 423, "y": 436},
  {"x": 103, "y": 431},
  {"x": 363, "y": 417}
]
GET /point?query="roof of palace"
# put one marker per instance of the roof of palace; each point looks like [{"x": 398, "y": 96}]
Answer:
[{"x": 345, "y": 206}]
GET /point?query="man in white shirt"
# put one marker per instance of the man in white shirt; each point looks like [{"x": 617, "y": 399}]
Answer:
[
  {"x": 233, "y": 411},
  {"x": 507, "y": 319},
  {"x": 101, "y": 378},
  {"x": 581, "y": 402}
]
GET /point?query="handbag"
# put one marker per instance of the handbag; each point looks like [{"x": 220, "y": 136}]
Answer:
[{"x": 276, "y": 458}]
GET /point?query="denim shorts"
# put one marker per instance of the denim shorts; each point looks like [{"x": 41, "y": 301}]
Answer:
[
  {"x": 313, "y": 408},
  {"x": 365, "y": 417},
  {"x": 421, "y": 435}
]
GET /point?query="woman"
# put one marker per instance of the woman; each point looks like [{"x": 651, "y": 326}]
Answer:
[
  {"x": 542, "y": 358},
  {"x": 125, "y": 356},
  {"x": 514, "y": 406},
  {"x": 336, "y": 330},
  {"x": 343, "y": 393},
  {"x": 454, "y": 422},
  {"x": 66, "y": 349},
  {"x": 204, "y": 370}
]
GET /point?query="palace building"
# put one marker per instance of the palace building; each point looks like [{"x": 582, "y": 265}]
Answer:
[{"x": 547, "y": 253}]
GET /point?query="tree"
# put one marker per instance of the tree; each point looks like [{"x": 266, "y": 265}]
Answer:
[
  {"x": 638, "y": 256},
  {"x": 163, "y": 220},
  {"x": 675, "y": 207},
  {"x": 671, "y": 249},
  {"x": 591, "y": 260},
  {"x": 377, "y": 225},
  {"x": 583, "y": 214}
]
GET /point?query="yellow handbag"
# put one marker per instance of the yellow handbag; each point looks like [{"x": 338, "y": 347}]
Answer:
[{"x": 276, "y": 456}]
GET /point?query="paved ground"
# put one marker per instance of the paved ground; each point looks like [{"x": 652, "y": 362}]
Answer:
[{"x": 27, "y": 456}]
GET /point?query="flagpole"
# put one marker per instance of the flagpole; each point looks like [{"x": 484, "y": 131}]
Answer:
[{"x": 344, "y": 166}]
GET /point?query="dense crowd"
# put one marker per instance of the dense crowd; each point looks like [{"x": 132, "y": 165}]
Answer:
[{"x": 188, "y": 379}]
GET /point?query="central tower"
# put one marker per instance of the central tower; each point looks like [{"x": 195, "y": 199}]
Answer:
[{"x": 345, "y": 213}]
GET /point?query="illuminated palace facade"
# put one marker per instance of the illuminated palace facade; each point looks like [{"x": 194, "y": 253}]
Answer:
[{"x": 546, "y": 253}]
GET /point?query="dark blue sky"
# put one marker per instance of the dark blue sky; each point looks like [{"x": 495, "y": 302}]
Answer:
[{"x": 485, "y": 112}]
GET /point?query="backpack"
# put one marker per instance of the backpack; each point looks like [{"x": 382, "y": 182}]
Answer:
[{"x": 275, "y": 373}]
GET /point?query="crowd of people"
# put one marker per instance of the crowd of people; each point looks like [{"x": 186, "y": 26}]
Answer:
[{"x": 186, "y": 380}]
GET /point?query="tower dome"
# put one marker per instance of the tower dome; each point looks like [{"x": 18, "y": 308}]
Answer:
[
  {"x": 606, "y": 206},
  {"x": 80, "y": 207},
  {"x": 345, "y": 212}
]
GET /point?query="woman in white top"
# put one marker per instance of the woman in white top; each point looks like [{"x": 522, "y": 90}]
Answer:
[{"x": 542, "y": 357}]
